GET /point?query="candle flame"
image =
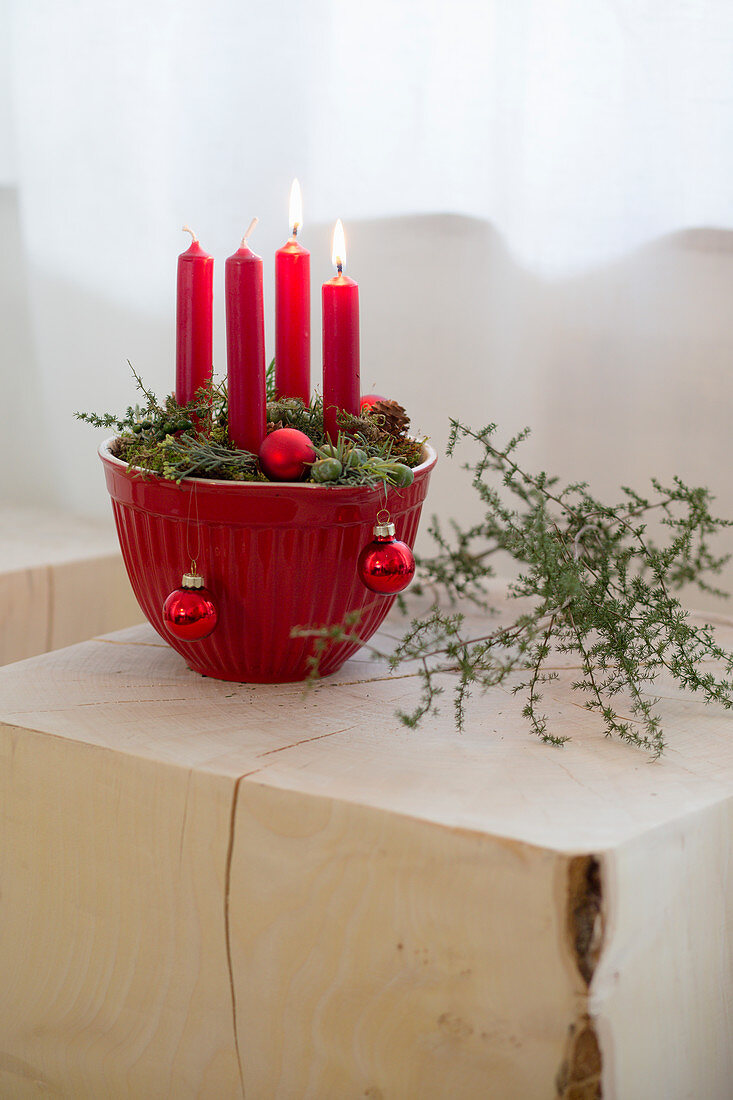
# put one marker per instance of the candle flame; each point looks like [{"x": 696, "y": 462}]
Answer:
[
  {"x": 296, "y": 207},
  {"x": 338, "y": 252}
]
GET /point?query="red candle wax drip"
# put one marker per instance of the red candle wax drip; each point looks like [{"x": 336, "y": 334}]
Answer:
[
  {"x": 245, "y": 349},
  {"x": 194, "y": 321},
  {"x": 293, "y": 321}
]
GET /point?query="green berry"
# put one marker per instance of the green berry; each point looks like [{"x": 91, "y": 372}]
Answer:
[
  {"x": 400, "y": 475},
  {"x": 137, "y": 428},
  {"x": 326, "y": 469},
  {"x": 356, "y": 457},
  {"x": 147, "y": 425}
]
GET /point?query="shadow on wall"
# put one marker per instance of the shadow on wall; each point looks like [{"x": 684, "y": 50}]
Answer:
[
  {"x": 621, "y": 373},
  {"x": 24, "y": 476}
]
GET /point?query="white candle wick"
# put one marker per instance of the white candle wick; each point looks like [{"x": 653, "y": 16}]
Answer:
[
  {"x": 187, "y": 229},
  {"x": 250, "y": 227}
]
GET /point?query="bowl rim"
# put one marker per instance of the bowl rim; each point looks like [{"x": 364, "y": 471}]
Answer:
[{"x": 431, "y": 457}]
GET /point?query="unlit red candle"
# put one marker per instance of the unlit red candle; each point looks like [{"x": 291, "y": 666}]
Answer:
[
  {"x": 340, "y": 301},
  {"x": 193, "y": 320},
  {"x": 292, "y": 311},
  {"x": 245, "y": 348}
]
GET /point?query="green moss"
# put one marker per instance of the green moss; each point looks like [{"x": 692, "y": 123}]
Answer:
[{"x": 176, "y": 441}]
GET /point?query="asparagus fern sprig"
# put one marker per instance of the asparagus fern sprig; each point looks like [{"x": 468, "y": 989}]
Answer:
[{"x": 600, "y": 588}]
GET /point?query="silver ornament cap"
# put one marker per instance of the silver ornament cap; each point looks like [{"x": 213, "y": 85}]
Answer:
[{"x": 192, "y": 580}]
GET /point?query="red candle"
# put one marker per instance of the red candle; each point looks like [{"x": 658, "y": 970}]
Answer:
[
  {"x": 340, "y": 297},
  {"x": 245, "y": 347},
  {"x": 193, "y": 322},
  {"x": 293, "y": 311}
]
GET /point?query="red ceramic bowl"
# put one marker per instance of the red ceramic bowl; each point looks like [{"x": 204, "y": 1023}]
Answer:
[{"x": 273, "y": 555}]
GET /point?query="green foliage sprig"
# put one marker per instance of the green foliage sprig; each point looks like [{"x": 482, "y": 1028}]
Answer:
[{"x": 599, "y": 587}]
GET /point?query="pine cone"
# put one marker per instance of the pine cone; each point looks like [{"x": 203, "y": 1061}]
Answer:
[
  {"x": 393, "y": 419},
  {"x": 272, "y": 426}
]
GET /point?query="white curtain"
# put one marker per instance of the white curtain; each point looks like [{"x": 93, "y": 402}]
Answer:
[{"x": 579, "y": 129}]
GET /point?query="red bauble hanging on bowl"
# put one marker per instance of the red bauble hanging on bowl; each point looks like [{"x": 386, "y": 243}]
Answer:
[
  {"x": 286, "y": 455},
  {"x": 386, "y": 565},
  {"x": 189, "y": 613}
]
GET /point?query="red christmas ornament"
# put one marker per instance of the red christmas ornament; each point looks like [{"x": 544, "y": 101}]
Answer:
[
  {"x": 189, "y": 612},
  {"x": 386, "y": 565},
  {"x": 369, "y": 399},
  {"x": 286, "y": 454}
]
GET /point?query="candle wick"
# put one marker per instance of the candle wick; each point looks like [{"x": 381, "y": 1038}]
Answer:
[
  {"x": 187, "y": 229},
  {"x": 340, "y": 267},
  {"x": 250, "y": 227}
]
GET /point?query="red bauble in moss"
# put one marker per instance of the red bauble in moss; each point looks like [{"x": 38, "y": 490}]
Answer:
[
  {"x": 369, "y": 399},
  {"x": 286, "y": 455}
]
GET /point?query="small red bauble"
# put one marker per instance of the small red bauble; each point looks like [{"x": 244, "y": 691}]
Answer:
[
  {"x": 189, "y": 613},
  {"x": 386, "y": 565},
  {"x": 286, "y": 454},
  {"x": 369, "y": 399}
]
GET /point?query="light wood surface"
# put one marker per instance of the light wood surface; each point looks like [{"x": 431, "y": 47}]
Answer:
[
  {"x": 61, "y": 581},
  {"x": 213, "y": 889}
]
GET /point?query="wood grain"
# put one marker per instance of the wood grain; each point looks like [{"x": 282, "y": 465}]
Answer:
[
  {"x": 210, "y": 888},
  {"x": 114, "y": 969},
  {"x": 392, "y": 957}
]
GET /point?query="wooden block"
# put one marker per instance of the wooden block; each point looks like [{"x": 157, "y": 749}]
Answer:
[
  {"x": 213, "y": 890},
  {"x": 61, "y": 581},
  {"x": 112, "y": 966}
]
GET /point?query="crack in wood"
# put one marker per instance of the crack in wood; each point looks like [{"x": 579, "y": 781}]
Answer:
[
  {"x": 579, "y": 1076},
  {"x": 185, "y": 816},
  {"x": 227, "y": 929},
  {"x": 305, "y": 741},
  {"x": 585, "y": 913},
  {"x": 102, "y": 703},
  {"x": 367, "y": 680}
]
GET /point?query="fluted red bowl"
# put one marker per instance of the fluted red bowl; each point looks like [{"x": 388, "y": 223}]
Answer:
[{"x": 273, "y": 555}]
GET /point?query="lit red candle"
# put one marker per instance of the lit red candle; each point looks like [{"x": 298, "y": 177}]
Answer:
[
  {"x": 245, "y": 347},
  {"x": 193, "y": 321},
  {"x": 340, "y": 298},
  {"x": 293, "y": 310}
]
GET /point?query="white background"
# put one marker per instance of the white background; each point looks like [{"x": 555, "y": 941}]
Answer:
[{"x": 537, "y": 199}]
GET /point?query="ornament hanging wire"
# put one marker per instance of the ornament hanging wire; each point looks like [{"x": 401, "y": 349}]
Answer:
[{"x": 193, "y": 502}]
